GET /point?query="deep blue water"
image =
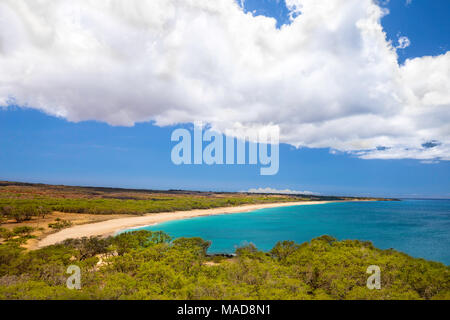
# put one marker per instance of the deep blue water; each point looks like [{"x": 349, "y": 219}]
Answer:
[{"x": 420, "y": 228}]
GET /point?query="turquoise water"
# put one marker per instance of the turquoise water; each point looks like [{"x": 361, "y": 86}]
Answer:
[{"x": 420, "y": 228}]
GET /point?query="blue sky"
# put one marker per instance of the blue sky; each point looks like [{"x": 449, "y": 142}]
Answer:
[
  {"x": 36, "y": 147},
  {"x": 40, "y": 148}
]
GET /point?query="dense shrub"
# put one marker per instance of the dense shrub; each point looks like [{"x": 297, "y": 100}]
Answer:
[
  {"x": 60, "y": 224},
  {"x": 24, "y": 209},
  {"x": 148, "y": 265}
]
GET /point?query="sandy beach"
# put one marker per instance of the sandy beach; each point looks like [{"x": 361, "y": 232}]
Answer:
[{"x": 110, "y": 227}]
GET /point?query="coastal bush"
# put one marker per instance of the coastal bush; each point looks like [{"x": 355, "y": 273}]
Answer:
[
  {"x": 60, "y": 224},
  {"x": 150, "y": 265},
  {"x": 6, "y": 234},
  {"x": 18, "y": 236},
  {"x": 127, "y": 241},
  {"x": 24, "y": 209},
  {"x": 21, "y": 210},
  {"x": 23, "y": 230}
]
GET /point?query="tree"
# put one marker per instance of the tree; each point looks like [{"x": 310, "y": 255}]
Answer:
[
  {"x": 23, "y": 230},
  {"x": 283, "y": 249},
  {"x": 126, "y": 241},
  {"x": 197, "y": 244},
  {"x": 42, "y": 211}
]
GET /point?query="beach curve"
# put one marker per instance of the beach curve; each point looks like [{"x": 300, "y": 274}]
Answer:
[{"x": 112, "y": 226}]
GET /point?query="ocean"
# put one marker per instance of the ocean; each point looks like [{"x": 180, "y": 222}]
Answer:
[{"x": 420, "y": 228}]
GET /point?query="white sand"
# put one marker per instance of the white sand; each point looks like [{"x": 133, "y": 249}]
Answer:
[{"x": 113, "y": 226}]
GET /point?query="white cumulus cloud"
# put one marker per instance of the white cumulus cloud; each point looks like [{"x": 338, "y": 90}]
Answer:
[
  {"x": 403, "y": 42},
  {"x": 329, "y": 79},
  {"x": 277, "y": 191}
]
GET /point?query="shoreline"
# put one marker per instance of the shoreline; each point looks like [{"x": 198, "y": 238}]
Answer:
[{"x": 113, "y": 226}]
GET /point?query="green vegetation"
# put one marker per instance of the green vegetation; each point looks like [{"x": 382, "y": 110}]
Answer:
[
  {"x": 60, "y": 224},
  {"x": 23, "y": 202},
  {"x": 149, "y": 265},
  {"x": 24, "y": 209},
  {"x": 18, "y": 236}
]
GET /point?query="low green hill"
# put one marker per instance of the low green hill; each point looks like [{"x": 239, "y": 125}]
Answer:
[{"x": 149, "y": 265}]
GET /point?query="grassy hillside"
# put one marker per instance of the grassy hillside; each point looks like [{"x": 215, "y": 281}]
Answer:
[
  {"x": 146, "y": 265},
  {"x": 23, "y": 202},
  {"x": 44, "y": 209}
]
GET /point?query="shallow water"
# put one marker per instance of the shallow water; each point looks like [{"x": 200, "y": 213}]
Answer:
[{"x": 420, "y": 228}]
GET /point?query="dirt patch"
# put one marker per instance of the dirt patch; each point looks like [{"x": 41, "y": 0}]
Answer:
[{"x": 41, "y": 228}]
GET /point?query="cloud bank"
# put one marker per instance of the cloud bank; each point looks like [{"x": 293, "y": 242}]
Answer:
[
  {"x": 330, "y": 79},
  {"x": 285, "y": 191}
]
